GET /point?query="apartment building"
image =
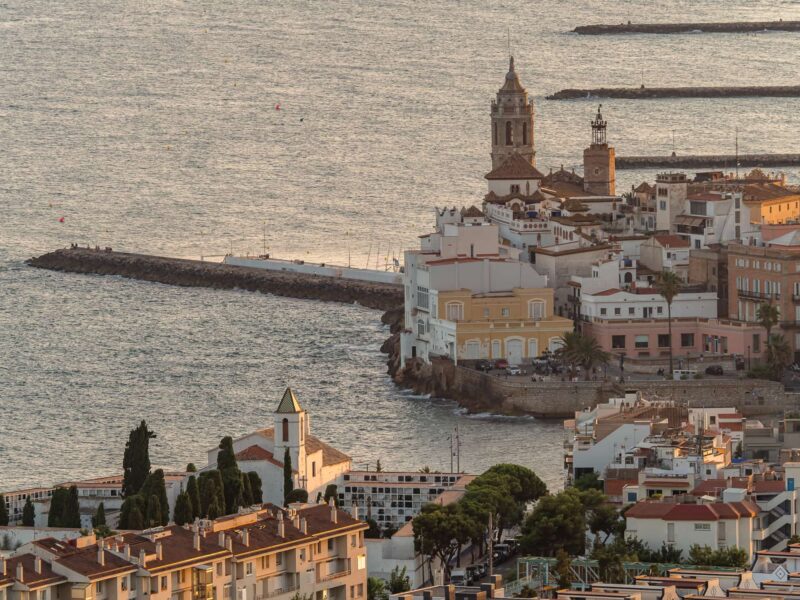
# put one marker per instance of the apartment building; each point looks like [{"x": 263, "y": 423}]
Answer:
[{"x": 316, "y": 551}]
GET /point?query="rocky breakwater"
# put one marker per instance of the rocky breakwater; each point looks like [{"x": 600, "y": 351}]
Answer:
[
  {"x": 649, "y": 93},
  {"x": 662, "y": 28},
  {"x": 194, "y": 273}
]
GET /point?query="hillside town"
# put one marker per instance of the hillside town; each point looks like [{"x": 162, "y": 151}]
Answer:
[{"x": 654, "y": 299}]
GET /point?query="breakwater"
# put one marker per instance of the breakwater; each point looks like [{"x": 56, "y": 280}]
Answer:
[
  {"x": 195, "y": 273},
  {"x": 718, "y": 161},
  {"x": 661, "y": 28},
  {"x": 651, "y": 93}
]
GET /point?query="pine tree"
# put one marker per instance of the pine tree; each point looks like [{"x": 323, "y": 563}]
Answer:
[
  {"x": 58, "y": 503},
  {"x": 190, "y": 468},
  {"x": 183, "y": 509},
  {"x": 288, "y": 483},
  {"x": 3, "y": 511},
  {"x": 255, "y": 487},
  {"x": 100, "y": 516},
  {"x": 136, "y": 461},
  {"x": 72, "y": 509},
  {"x": 28, "y": 513},
  {"x": 153, "y": 514},
  {"x": 193, "y": 492},
  {"x": 247, "y": 491}
]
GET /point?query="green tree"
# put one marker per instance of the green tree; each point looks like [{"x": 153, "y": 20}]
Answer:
[
  {"x": 331, "y": 491},
  {"x": 582, "y": 350},
  {"x": 296, "y": 495},
  {"x": 255, "y": 487},
  {"x": 376, "y": 589},
  {"x": 669, "y": 286},
  {"x": 288, "y": 482},
  {"x": 131, "y": 515},
  {"x": 378, "y": 466},
  {"x": 208, "y": 495},
  {"x": 183, "y": 509},
  {"x": 247, "y": 491},
  {"x": 193, "y": 492},
  {"x": 3, "y": 511},
  {"x": 605, "y": 519},
  {"x": 562, "y": 569},
  {"x": 557, "y": 522},
  {"x": 136, "y": 461},
  {"x": 374, "y": 531},
  {"x": 155, "y": 486},
  {"x": 399, "y": 581},
  {"x": 215, "y": 476},
  {"x": 779, "y": 355},
  {"x": 28, "y": 513},
  {"x": 226, "y": 458},
  {"x": 214, "y": 511},
  {"x": 588, "y": 481},
  {"x": 441, "y": 531},
  {"x": 72, "y": 509},
  {"x": 726, "y": 557},
  {"x": 99, "y": 517},
  {"x": 768, "y": 315},
  {"x": 190, "y": 468},
  {"x": 153, "y": 514},
  {"x": 58, "y": 502}
]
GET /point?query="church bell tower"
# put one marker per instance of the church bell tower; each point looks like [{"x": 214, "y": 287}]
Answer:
[
  {"x": 512, "y": 121},
  {"x": 599, "y": 161}
]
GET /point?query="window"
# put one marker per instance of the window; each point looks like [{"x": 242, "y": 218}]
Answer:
[
  {"x": 524, "y": 134},
  {"x": 352, "y": 541},
  {"x": 124, "y": 583},
  {"x": 154, "y": 585},
  {"x": 505, "y": 312},
  {"x": 509, "y": 134},
  {"x": 670, "y": 532},
  {"x": 264, "y": 562},
  {"x": 219, "y": 569},
  {"x": 756, "y": 342},
  {"x": 285, "y": 429},
  {"x": 420, "y": 327},
  {"x": 494, "y": 133},
  {"x": 313, "y": 468},
  {"x": 248, "y": 568},
  {"x": 99, "y": 588},
  {"x": 602, "y": 311},
  {"x": 279, "y": 559},
  {"x": 536, "y": 310},
  {"x": 617, "y": 311},
  {"x": 662, "y": 205},
  {"x": 663, "y": 340},
  {"x": 455, "y": 311},
  {"x": 631, "y": 496},
  {"x": 330, "y": 544},
  {"x": 486, "y": 312},
  {"x": 659, "y": 310},
  {"x": 163, "y": 583},
  {"x": 641, "y": 341},
  {"x": 514, "y": 188},
  {"x": 423, "y": 297},
  {"x": 631, "y": 310},
  {"x": 362, "y": 564},
  {"x": 702, "y": 526},
  {"x": 618, "y": 341},
  {"x": 360, "y": 589},
  {"x": 687, "y": 340}
]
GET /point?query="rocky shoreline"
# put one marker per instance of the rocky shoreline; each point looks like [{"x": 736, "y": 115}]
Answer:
[
  {"x": 662, "y": 28},
  {"x": 648, "y": 93},
  {"x": 195, "y": 273}
]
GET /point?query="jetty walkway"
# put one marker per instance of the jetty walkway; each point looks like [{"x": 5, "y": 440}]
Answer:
[
  {"x": 667, "y": 28},
  {"x": 195, "y": 273},
  {"x": 649, "y": 93},
  {"x": 708, "y": 161}
]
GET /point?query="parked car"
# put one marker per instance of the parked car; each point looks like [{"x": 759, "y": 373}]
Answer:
[
  {"x": 460, "y": 577},
  {"x": 501, "y": 553},
  {"x": 501, "y": 363},
  {"x": 513, "y": 370},
  {"x": 714, "y": 370},
  {"x": 483, "y": 365}
]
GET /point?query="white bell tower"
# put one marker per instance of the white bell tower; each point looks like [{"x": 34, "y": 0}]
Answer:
[{"x": 291, "y": 430}]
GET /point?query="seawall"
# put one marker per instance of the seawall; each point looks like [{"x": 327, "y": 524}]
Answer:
[
  {"x": 195, "y": 273},
  {"x": 649, "y": 93},
  {"x": 719, "y": 161},
  {"x": 661, "y": 28}
]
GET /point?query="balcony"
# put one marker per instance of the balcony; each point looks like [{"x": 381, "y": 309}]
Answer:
[
  {"x": 789, "y": 324},
  {"x": 757, "y": 295},
  {"x": 796, "y": 298},
  {"x": 333, "y": 569},
  {"x": 278, "y": 591}
]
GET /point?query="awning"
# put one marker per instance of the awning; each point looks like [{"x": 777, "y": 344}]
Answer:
[{"x": 689, "y": 220}]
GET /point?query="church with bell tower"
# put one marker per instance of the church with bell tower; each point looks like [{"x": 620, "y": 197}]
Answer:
[
  {"x": 599, "y": 170},
  {"x": 512, "y": 121}
]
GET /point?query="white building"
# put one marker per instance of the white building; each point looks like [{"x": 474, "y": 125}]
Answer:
[
  {"x": 664, "y": 252},
  {"x": 315, "y": 464},
  {"x": 645, "y": 303}
]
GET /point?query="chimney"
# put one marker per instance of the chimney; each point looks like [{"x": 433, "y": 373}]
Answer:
[
  {"x": 332, "y": 504},
  {"x": 196, "y": 541},
  {"x": 296, "y": 521},
  {"x": 142, "y": 558},
  {"x": 246, "y": 537},
  {"x": 101, "y": 556},
  {"x": 354, "y": 511},
  {"x": 3, "y": 567},
  {"x": 303, "y": 525},
  {"x": 20, "y": 573},
  {"x": 229, "y": 544},
  {"x": 37, "y": 565},
  {"x": 281, "y": 526},
  {"x": 127, "y": 551},
  {"x": 159, "y": 551},
  {"x": 221, "y": 539}
]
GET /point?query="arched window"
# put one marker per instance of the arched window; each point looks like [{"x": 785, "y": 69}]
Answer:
[
  {"x": 455, "y": 311},
  {"x": 285, "y": 426},
  {"x": 421, "y": 327},
  {"x": 494, "y": 133},
  {"x": 628, "y": 277},
  {"x": 536, "y": 310},
  {"x": 524, "y": 134},
  {"x": 509, "y": 134}
]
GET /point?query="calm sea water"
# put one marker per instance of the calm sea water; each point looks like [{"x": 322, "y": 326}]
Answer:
[{"x": 152, "y": 126}]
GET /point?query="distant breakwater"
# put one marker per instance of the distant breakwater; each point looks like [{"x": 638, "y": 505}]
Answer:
[
  {"x": 662, "y": 28},
  {"x": 195, "y": 273},
  {"x": 716, "y": 161},
  {"x": 651, "y": 93}
]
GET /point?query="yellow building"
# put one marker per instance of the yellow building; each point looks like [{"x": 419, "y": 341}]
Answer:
[
  {"x": 772, "y": 203},
  {"x": 518, "y": 325}
]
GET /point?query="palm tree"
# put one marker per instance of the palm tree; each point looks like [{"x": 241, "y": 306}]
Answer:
[
  {"x": 767, "y": 315},
  {"x": 569, "y": 350},
  {"x": 583, "y": 350},
  {"x": 779, "y": 354},
  {"x": 669, "y": 285}
]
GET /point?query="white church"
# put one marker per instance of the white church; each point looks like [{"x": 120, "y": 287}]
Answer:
[{"x": 315, "y": 464}]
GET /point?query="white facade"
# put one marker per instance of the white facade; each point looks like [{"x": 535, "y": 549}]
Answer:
[
  {"x": 671, "y": 191},
  {"x": 623, "y": 305}
]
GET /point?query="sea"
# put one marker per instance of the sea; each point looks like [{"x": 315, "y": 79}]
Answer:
[{"x": 318, "y": 130}]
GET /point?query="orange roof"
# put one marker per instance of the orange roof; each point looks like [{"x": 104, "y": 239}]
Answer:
[
  {"x": 671, "y": 241},
  {"x": 514, "y": 167},
  {"x": 613, "y": 487},
  {"x": 706, "y": 197},
  {"x": 763, "y": 487}
]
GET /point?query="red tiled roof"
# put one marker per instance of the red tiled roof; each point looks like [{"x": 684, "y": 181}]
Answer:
[
  {"x": 763, "y": 487},
  {"x": 710, "y": 487},
  {"x": 255, "y": 452},
  {"x": 669, "y": 484},
  {"x": 648, "y": 510},
  {"x": 514, "y": 167},
  {"x": 706, "y": 197},
  {"x": 610, "y": 292},
  {"x": 671, "y": 241},
  {"x": 613, "y": 487},
  {"x": 692, "y": 512}
]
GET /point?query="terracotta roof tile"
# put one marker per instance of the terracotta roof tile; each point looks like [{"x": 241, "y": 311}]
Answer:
[
  {"x": 671, "y": 241},
  {"x": 514, "y": 167},
  {"x": 763, "y": 487}
]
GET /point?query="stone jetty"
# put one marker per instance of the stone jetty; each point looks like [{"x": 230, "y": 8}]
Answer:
[
  {"x": 709, "y": 161},
  {"x": 195, "y": 273},
  {"x": 661, "y": 28},
  {"x": 650, "y": 93}
]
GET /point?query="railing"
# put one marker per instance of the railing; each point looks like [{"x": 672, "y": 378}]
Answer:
[
  {"x": 335, "y": 575},
  {"x": 796, "y": 298},
  {"x": 790, "y": 323},
  {"x": 278, "y": 592},
  {"x": 758, "y": 295}
]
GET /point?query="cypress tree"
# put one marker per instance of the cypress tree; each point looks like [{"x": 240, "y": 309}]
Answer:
[
  {"x": 288, "y": 484},
  {"x": 28, "y": 513},
  {"x": 255, "y": 487},
  {"x": 58, "y": 503},
  {"x": 213, "y": 510},
  {"x": 72, "y": 509},
  {"x": 190, "y": 468},
  {"x": 135, "y": 519},
  {"x": 136, "y": 461},
  {"x": 153, "y": 514},
  {"x": 232, "y": 485},
  {"x": 99, "y": 517},
  {"x": 208, "y": 495},
  {"x": 3, "y": 511},
  {"x": 193, "y": 493},
  {"x": 247, "y": 491},
  {"x": 226, "y": 458},
  {"x": 183, "y": 509},
  {"x": 131, "y": 514}
]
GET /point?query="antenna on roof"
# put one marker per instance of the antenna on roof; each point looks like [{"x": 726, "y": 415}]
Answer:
[
  {"x": 737, "y": 152},
  {"x": 508, "y": 39}
]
